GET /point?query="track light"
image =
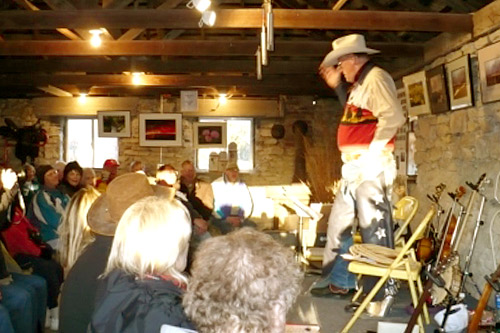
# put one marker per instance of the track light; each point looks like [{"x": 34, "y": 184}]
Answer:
[
  {"x": 137, "y": 78},
  {"x": 258, "y": 54},
  {"x": 95, "y": 40},
  {"x": 263, "y": 46},
  {"x": 200, "y": 5},
  {"x": 208, "y": 18},
  {"x": 222, "y": 99},
  {"x": 268, "y": 11},
  {"x": 82, "y": 99}
]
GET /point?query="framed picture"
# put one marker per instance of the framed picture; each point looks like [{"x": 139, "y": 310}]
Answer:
[
  {"x": 189, "y": 100},
  {"x": 209, "y": 135},
  {"x": 416, "y": 94},
  {"x": 436, "y": 85},
  {"x": 160, "y": 129},
  {"x": 489, "y": 72},
  {"x": 459, "y": 87},
  {"x": 114, "y": 124}
]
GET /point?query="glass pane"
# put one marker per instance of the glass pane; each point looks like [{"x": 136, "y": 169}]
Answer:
[
  {"x": 79, "y": 141},
  {"x": 104, "y": 148},
  {"x": 239, "y": 131}
]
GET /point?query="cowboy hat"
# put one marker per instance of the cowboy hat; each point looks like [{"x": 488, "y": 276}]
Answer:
[
  {"x": 121, "y": 193},
  {"x": 349, "y": 44}
]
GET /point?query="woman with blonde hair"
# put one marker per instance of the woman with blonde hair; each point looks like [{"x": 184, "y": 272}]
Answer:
[
  {"x": 143, "y": 284},
  {"x": 74, "y": 232}
]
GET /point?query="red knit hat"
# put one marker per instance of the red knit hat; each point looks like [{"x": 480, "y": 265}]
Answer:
[{"x": 111, "y": 163}]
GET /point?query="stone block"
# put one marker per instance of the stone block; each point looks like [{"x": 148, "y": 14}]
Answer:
[
  {"x": 469, "y": 48},
  {"x": 458, "y": 122},
  {"x": 481, "y": 42},
  {"x": 454, "y": 56}
]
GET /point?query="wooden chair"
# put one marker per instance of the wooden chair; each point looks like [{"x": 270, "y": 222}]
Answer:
[{"x": 403, "y": 267}]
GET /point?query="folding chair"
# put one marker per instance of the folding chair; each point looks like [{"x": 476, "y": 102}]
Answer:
[
  {"x": 404, "y": 267},
  {"x": 405, "y": 211}
]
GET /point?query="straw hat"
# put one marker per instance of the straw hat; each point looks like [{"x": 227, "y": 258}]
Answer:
[
  {"x": 121, "y": 193},
  {"x": 354, "y": 43}
]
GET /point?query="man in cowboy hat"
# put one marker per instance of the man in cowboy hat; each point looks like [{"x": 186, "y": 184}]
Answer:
[{"x": 366, "y": 133}]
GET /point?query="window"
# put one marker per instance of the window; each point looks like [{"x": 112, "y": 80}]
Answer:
[
  {"x": 239, "y": 131},
  {"x": 85, "y": 146}
]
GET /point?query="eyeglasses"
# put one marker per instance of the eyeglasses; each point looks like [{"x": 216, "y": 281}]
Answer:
[{"x": 344, "y": 59}]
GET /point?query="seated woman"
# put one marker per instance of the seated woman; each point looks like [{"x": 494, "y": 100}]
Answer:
[
  {"x": 72, "y": 176},
  {"x": 47, "y": 207},
  {"x": 74, "y": 232},
  {"x": 242, "y": 282},
  {"x": 143, "y": 284}
]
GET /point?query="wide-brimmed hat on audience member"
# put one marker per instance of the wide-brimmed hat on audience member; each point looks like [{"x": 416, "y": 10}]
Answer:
[
  {"x": 354, "y": 43},
  {"x": 121, "y": 193}
]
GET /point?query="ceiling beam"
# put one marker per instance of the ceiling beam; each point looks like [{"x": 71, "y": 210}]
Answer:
[
  {"x": 55, "y": 91},
  {"x": 118, "y": 80},
  {"x": 188, "y": 48},
  {"x": 237, "y": 18}
]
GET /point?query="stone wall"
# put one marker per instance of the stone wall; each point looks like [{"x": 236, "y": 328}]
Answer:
[
  {"x": 273, "y": 158},
  {"x": 457, "y": 147}
]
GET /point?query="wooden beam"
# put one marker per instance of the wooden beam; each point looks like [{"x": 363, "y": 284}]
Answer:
[
  {"x": 159, "y": 80},
  {"x": 55, "y": 91},
  {"x": 238, "y": 19},
  {"x": 187, "y": 48},
  {"x": 170, "y": 66}
]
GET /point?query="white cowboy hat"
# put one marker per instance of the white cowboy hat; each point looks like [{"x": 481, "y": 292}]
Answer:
[{"x": 354, "y": 43}]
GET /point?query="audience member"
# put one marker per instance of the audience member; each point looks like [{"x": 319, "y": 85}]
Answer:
[
  {"x": 199, "y": 193},
  {"x": 74, "y": 232},
  {"x": 79, "y": 289},
  {"x": 59, "y": 166},
  {"x": 168, "y": 176},
  {"x": 47, "y": 207},
  {"x": 72, "y": 176},
  {"x": 136, "y": 166},
  {"x": 25, "y": 246},
  {"x": 24, "y": 296},
  {"x": 232, "y": 201},
  {"x": 109, "y": 172},
  {"x": 89, "y": 177},
  {"x": 242, "y": 282},
  {"x": 29, "y": 186},
  {"x": 143, "y": 280}
]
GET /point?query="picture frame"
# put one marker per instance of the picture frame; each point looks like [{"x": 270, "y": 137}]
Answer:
[
  {"x": 210, "y": 135},
  {"x": 437, "y": 89},
  {"x": 160, "y": 129},
  {"x": 459, "y": 83},
  {"x": 489, "y": 66},
  {"x": 417, "y": 96},
  {"x": 189, "y": 100},
  {"x": 113, "y": 124}
]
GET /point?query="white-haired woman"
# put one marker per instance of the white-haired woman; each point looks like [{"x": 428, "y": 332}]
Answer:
[
  {"x": 242, "y": 282},
  {"x": 74, "y": 232},
  {"x": 143, "y": 280}
]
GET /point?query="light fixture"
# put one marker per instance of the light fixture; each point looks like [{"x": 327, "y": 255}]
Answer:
[
  {"x": 258, "y": 54},
  {"x": 82, "y": 99},
  {"x": 269, "y": 22},
  {"x": 208, "y": 17},
  {"x": 200, "y": 5},
  {"x": 222, "y": 99},
  {"x": 137, "y": 78},
  {"x": 95, "y": 40},
  {"x": 263, "y": 46}
]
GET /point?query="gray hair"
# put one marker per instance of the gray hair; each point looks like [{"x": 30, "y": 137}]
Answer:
[{"x": 242, "y": 282}]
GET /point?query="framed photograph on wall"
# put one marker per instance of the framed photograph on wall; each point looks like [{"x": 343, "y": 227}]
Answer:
[
  {"x": 489, "y": 72},
  {"x": 209, "y": 135},
  {"x": 438, "y": 93},
  {"x": 416, "y": 94},
  {"x": 113, "y": 124},
  {"x": 160, "y": 129},
  {"x": 189, "y": 100},
  {"x": 459, "y": 83}
]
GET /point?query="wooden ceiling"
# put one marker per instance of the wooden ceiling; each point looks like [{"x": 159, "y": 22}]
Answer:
[{"x": 45, "y": 49}]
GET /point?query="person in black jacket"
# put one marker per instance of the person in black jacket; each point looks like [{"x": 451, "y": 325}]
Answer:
[{"x": 143, "y": 283}]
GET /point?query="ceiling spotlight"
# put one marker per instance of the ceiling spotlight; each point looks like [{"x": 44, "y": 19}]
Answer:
[
  {"x": 96, "y": 40},
  {"x": 222, "y": 99},
  {"x": 200, "y": 5},
  {"x": 137, "y": 78},
  {"x": 208, "y": 17},
  {"x": 82, "y": 99}
]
